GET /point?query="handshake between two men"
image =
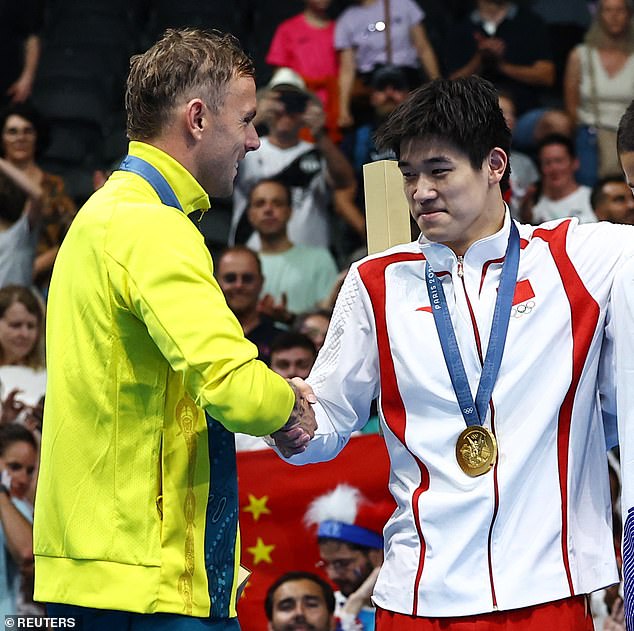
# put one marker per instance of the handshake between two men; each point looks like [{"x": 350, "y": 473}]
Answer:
[{"x": 293, "y": 437}]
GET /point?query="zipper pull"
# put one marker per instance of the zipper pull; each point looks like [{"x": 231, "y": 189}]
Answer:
[{"x": 460, "y": 270}]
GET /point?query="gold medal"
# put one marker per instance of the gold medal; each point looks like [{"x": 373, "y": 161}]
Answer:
[{"x": 476, "y": 450}]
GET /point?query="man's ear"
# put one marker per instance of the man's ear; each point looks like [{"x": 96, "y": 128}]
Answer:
[
  {"x": 196, "y": 117},
  {"x": 497, "y": 162}
]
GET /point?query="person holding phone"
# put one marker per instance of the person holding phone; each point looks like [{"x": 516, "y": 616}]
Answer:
[
  {"x": 22, "y": 371},
  {"x": 317, "y": 172}
]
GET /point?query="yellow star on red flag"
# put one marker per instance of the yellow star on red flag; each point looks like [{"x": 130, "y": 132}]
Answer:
[
  {"x": 261, "y": 551},
  {"x": 257, "y": 506}
]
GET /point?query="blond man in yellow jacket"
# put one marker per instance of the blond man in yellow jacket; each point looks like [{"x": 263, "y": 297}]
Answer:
[{"x": 148, "y": 370}]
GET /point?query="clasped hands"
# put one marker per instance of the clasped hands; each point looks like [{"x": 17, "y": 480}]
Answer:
[{"x": 294, "y": 436}]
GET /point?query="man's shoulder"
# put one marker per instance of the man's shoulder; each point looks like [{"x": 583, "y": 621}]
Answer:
[
  {"x": 124, "y": 207},
  {"x": 19, "y": 227},
  {"x": 398, "y": 254},
  {"x": 572, "y": 232}
]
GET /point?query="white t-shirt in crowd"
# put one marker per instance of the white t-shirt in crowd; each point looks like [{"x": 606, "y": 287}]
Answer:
[{"x": 576, "y": 204}]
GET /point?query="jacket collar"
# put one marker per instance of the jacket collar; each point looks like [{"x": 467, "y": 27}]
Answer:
[
  {"x": 490, "y": 248},
  {"x": 189, "y": 192}
]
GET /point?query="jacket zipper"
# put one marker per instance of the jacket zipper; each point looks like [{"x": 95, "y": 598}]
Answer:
[{"x": 460, "y": 273}]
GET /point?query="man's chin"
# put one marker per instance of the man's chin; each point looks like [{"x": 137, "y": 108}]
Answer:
[{"x": 219, "y": 189}]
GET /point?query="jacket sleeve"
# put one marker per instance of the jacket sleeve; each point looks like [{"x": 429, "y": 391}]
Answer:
[
  {"x": 166, "y": 280},
  {"x": 345, "y": 377},
  {"x": 623, "y": 323}
]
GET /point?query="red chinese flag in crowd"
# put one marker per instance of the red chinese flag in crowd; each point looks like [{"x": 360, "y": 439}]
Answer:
[{"x": 274, "y": 496}]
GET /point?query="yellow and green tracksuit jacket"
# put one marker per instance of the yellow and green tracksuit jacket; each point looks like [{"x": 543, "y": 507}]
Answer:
[{"x": 148, "y": 375}]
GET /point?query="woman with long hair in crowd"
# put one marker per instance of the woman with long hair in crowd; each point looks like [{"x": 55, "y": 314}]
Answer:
[
  {"x": 18, "y": 458},
  {"x": 23, "y": 137},
  {"x": 22, "y": 372},
  {"x": 598, "y": 86}
]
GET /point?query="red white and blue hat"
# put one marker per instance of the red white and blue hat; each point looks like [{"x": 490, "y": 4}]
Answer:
[{"x": 346, "y": 515}]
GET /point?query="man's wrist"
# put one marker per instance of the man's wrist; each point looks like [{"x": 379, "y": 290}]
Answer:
[{"x": 296, "y": 412}]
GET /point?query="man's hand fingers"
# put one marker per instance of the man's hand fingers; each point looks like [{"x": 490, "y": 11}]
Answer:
[{"x": 304, "y": 389}]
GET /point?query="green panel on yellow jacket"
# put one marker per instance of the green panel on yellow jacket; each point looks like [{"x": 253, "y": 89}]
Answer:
[{"x": 140, "y": 344}]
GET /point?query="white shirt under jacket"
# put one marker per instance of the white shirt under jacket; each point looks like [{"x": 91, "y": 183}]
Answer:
[{"x": 538, "y": 527}]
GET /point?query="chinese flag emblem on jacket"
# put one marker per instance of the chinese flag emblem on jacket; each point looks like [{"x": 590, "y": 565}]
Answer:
[{"x": 273, "y": 498}]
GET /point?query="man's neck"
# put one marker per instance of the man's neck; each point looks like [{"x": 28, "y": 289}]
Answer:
[
  {"x": 492, "y": 11},
  {"x": 275, "y": 244},
  {"x": 318, "y": 19}
]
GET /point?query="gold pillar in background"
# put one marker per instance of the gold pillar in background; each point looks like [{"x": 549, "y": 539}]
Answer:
[{"x": 386, "y": 208}]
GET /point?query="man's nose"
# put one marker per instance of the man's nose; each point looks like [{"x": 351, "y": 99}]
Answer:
[
  {"x": 424, "y": 189},
  {"x": 253, "y": 140}
]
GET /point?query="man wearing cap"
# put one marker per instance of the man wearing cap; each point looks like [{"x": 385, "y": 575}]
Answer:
[
  {"x": 389, "y": 88},
  {"x": 349, "y": 534},
  {"x": 313, "y": 170}
]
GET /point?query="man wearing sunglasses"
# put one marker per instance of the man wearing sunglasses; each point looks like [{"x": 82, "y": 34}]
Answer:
[{"x": 350, "y": 539}]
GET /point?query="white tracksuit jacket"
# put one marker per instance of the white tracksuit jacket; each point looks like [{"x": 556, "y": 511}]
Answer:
[{"x": 536, "y": 528}]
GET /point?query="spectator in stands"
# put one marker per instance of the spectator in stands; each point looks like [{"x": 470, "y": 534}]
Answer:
[
  {"x": 507, "y": 44},
  {"x": 313, "y": 324},
  {"x": 561, "y": 194},
  {"x": 292, "y": 355},
  {"x": 22, "y": 372},
  {"x": 18, "y": 456},
  {"x": 300, "y": 600},
  {"x": 296, "y": 277},
  {"x": 19, "y": 49},
  {"x": 315, "y": 171},
  {"x": 552, "y": 121},
  {"x": 567, "y": 23},
  {"x": 350, "y": 539},
  {"x": 305, "y": 43},
  {"x": 367, "y": 38},
  {"x": 23, "y": 137},
  {"x": 389, "y": 87},
  {"x": 239, "y": 274},
  {"x": 612, "y": 200},
  {"x": 598, "y": 86},
  {"x": 20, "y": 206}
]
